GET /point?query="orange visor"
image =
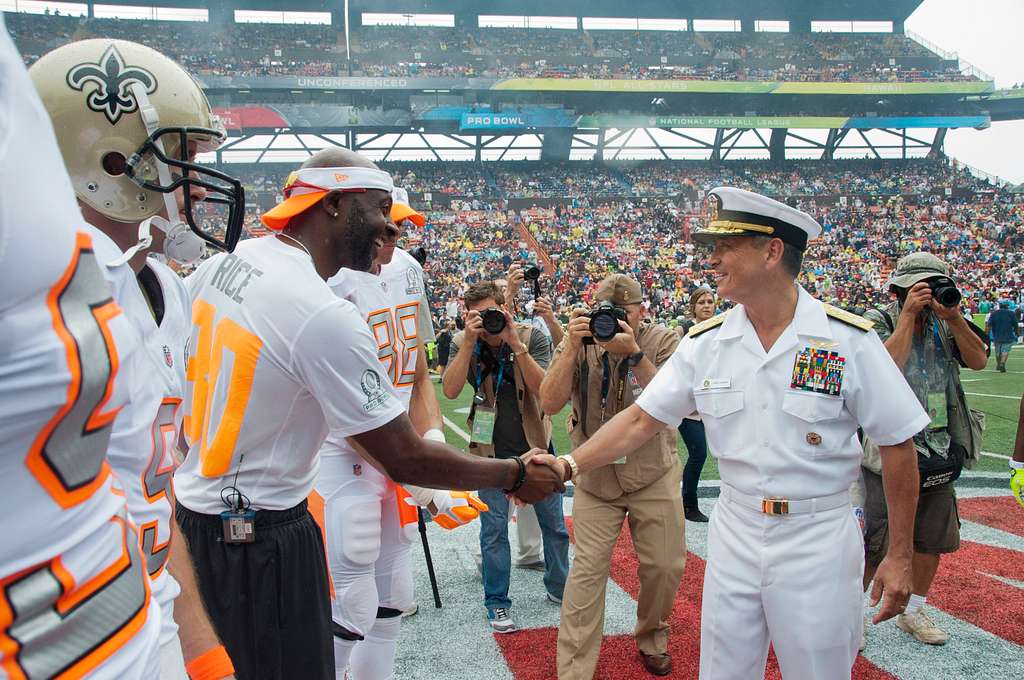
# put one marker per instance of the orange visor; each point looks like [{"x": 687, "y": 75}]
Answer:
[
  {"x": 400, "y": 211},
  {"x": 305, "y": 187}
]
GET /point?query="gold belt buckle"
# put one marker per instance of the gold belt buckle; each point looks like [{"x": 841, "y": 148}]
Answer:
[{"x": 775, "y": 506}]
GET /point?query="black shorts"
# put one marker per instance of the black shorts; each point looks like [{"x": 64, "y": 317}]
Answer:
[
  {"x": 936, "y": 523},
  {"x": 269, "y": 600}
]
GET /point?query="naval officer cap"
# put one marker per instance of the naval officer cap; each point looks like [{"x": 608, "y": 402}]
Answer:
[{"x": 737, "y": 212}]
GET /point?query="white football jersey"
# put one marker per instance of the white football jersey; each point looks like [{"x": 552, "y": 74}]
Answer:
[
  {"x": 73, "y": 594},
  {"x": 389, "y": 302},
  {"x": 142, "y": 448},
  {"x": 275, "y": 362}
]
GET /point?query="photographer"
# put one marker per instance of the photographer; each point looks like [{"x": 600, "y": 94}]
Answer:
[
  {"x": 929, "y": 339},
  {"x": 504, "y": 363},
  {"x": 540, "y": 309},
  {"x": 603, "y": 375}
]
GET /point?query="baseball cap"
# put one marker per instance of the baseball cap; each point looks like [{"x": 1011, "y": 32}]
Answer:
[
  {"x": 306, "y": 186},
  {"x": 917, "y": 267},
  {"x": 737, "y": 212},
  {"x": 401, "y": 208},
  {"x": 619, "y": 289}
]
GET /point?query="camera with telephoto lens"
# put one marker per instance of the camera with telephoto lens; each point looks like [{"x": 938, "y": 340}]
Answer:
[
  {"x": 945, "y": 292},
  {"x": 493, "y": 320},
  {"x": 604, "y": 322}
]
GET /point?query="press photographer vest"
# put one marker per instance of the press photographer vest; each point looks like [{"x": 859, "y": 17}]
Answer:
[{"x": 618, "y": 389}]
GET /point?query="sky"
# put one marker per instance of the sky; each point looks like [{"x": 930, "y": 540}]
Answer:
[{"x": 989, "y": 35}]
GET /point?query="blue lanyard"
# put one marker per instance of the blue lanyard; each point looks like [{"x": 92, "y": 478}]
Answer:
[{"x": 478, "y": 379}]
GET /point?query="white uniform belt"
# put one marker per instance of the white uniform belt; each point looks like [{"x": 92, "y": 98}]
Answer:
[{"x": 785, "y": 506}]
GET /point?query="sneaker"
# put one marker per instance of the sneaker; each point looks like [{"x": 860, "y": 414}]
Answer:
[
  {"x": 694, "y": 515},
  {"x": 500, "y": 620},
  {"x": 922, "y": 628},
  {"x": 554, "y": 598},
  {"x": 411, "y": 611},
  {"x": 532, "y": 566}
]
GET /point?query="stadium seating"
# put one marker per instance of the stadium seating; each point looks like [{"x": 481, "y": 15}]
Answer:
[{"x": 315, "y": 50}]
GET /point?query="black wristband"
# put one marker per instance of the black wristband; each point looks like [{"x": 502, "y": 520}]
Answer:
[{"x": 521, "y": 478}]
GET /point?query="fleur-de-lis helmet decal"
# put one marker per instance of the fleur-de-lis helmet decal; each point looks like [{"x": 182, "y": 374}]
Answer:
[
  {"x": 113, "y": 79},
  {"x": 130, "y": 124}
]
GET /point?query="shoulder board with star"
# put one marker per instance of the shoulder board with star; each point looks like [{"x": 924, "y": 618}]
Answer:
[
  {"x": 849, "y": 318},
  {"x": 705, "y": 326}
]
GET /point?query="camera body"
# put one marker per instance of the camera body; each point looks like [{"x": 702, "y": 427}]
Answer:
[
  {"x": 493, "y": 320},
  {"x": 945, "y": 292},
  {"x": 604, "y": 322},
  {"x": 531, "y": 272}
]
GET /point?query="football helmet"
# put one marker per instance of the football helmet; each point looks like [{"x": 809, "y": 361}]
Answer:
[{"x": 128, "y": 121}]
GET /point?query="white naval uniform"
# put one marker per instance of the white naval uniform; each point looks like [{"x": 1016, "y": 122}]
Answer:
[
  {"x": 795, "y": 579},
  {"x": 367, "y": 547}
]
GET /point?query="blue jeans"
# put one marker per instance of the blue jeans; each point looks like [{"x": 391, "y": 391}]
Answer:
[
  {"x": 494, "y": 547},
  {"x": 697, "y": 446}
]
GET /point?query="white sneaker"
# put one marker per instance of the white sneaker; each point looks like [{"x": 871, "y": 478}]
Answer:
[
  {"x": 922, "y": 628},
  {"x": 501, "y": 621},
  {"x": 411, "y": 611}
]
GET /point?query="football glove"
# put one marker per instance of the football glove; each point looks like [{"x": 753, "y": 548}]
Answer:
[
  {"x": 455, "y": 508},
  {"x": 1017, "y": 485}
]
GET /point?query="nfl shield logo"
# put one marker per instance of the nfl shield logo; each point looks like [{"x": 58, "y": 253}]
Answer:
[{"x": 167, "y": 357}]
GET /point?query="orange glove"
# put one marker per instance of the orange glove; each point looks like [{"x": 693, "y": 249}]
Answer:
[{"x": 455, "y": 508}]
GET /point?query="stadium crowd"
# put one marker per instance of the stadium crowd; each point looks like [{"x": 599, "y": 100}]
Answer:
[
  {"x": 382, "y": 51},
  {"x": 634, "y": 217}
]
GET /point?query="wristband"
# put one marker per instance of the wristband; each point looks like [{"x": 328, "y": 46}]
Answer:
[
  {"x": 521, "y": 478},
  {"x": 1017, "y": 464},
  {"x": 212, "y": 664},
  {"x": 435, "y": 435}
]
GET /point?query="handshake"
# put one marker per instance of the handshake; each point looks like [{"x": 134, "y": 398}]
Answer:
[{"x": 544, "y": 475}]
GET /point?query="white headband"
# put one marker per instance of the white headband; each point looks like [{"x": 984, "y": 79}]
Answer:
[{"x": 329, "y": 179}]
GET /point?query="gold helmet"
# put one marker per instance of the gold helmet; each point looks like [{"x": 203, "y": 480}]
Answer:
[{"x": 128, "y": 121}]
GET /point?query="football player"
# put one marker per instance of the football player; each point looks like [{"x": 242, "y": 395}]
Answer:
[
  {"x": 369, "y": 522},
  {"x": 74, "y": 595},
  {"x": 276, "y": 362},
  {"x": 129, "y": 122}
]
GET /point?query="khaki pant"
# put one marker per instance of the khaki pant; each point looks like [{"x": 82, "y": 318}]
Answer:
[{"x": 656, "y": 524}]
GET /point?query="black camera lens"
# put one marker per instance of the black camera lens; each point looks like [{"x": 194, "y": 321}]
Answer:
[
  {"x": 531, "y": 273},
  {"x": 945, "y": 292},
  {"x": 493, "y": 320},
  {"x": 459, "y": 323},
  {"x": 604, "y": 321}
]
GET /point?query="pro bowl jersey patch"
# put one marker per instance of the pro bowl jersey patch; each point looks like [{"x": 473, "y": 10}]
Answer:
[{"x": 818, "y": 370}]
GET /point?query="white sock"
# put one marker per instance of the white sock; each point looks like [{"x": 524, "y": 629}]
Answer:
[
  {"x": 342, "y": 652},
  {"x": 374, "y": 657},
  {"x": 916, "y": 603}
]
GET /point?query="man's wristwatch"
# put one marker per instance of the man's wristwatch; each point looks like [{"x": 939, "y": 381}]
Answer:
[
  {"x": 574, "y": 468},
  {"x": 635, "y": 359}
]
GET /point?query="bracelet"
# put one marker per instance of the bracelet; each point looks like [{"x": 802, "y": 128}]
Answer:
[
  {"x": 212, "y": 664},
  {"x": 1016, "y": 464},
  {"x": 521, "y": 478}
]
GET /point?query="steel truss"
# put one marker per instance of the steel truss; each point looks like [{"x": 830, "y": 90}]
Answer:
[{"x": 288, "y": 144}]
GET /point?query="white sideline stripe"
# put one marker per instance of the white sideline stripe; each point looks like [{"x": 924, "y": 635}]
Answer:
[
  {"x": 994, "y": 396},
  {"x": 456, "y": 429},
  {"x": 995, "y": 455}
]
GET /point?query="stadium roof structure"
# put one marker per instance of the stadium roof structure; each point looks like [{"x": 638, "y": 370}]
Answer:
[{"x": 838, "y": 10}]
